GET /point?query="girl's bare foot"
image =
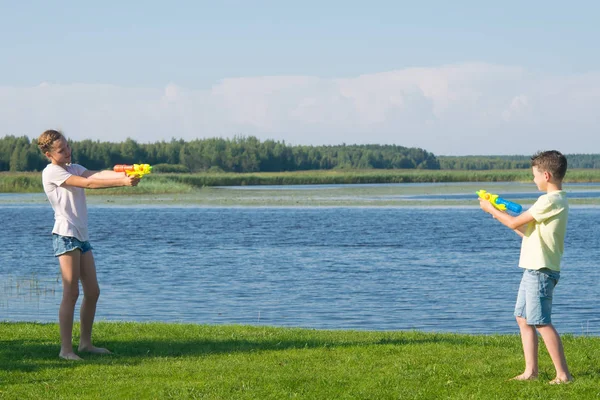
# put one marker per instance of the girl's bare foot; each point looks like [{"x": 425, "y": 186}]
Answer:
[
  {"x": 70, "y": 356},
  {"x": 561, "y": 381},
  {"x": 525, "y": 377},
  {"x": 94, "y": 350}
]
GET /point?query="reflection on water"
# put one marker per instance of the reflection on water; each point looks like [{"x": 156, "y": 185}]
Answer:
[{"x": 432, "y": 269}]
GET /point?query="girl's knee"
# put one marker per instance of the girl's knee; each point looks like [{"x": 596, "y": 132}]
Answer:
[
  {"x": 71, "y": 296},
  {"x": 92, "y": 295}
]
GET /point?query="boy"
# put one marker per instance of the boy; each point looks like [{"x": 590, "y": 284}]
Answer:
[{"x": 543, "y": 229}]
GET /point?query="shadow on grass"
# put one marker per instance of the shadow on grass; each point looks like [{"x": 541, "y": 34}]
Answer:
[{"x": 31, "y": 355}]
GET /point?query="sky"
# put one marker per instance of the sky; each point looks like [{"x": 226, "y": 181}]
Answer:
[{"x": 453, "y": 78}]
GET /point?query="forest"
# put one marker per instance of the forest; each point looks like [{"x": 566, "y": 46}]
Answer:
[{"x": 249, "y": 154}]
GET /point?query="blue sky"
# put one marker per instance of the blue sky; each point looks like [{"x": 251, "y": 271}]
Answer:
[{"x": 450, "y": 77}]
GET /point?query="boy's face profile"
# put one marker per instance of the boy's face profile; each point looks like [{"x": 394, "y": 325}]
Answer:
[{"x": 541, "y": 178}]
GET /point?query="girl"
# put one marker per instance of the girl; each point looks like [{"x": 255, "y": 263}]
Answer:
[{"x": 64, "y": 184}]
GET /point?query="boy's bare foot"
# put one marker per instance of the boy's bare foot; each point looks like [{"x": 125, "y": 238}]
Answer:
[
  {"x": 561, "y": 381},
  {"x": 94, "y": 350},
  {"x": 70, "y": 356},
  {"x": 524, "y": 377}
]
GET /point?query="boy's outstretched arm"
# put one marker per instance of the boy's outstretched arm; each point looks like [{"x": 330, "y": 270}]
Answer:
[{"x": 517, "y": 224}]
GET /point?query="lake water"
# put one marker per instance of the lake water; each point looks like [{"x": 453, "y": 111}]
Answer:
[{"x": 445, "y": 269}]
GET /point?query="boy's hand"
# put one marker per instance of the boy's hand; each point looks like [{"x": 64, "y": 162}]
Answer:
[{"x": 486, "y": 206}]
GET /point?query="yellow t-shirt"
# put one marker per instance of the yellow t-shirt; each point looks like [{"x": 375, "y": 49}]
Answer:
[{"x": 544, "y": 240}]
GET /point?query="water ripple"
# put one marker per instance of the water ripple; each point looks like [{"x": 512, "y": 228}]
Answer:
[{"x": 431, "y": 269}]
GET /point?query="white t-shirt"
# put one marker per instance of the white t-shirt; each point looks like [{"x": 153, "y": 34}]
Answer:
[
  {"x": 68, "y": 202},
  {"x": 544, "y": 240}
]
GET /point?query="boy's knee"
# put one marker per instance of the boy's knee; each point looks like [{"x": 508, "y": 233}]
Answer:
[
  {"x": 543, "y": 327},
  {"x": 521, "y": 321}
]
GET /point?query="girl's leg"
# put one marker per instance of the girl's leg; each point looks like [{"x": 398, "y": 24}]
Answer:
[
  {"x": 557, "y": 353},
  {"x": 91, "y": 293},
  {"x": 70, "y": 271},
  {"x": 529, "y": 340}
]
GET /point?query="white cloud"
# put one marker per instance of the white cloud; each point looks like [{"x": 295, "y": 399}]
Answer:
[
  {"x": 172, "y": 93},
  {"x": 517, "y": 108},
  {"x": 456, "y": 109}
]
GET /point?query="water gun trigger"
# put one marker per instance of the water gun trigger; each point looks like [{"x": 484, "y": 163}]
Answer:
[{"x": 501, "y": 207}]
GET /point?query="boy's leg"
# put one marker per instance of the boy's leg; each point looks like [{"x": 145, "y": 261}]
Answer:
[
  {"x": 539, "y": 313},
  {"x": 529, "y": 337},
  {"x": 70, "y": 272},
  {"x": 557, "y": 353},
  {"x": 529, "y": 340},
  {"x": 91, "y": 293}
]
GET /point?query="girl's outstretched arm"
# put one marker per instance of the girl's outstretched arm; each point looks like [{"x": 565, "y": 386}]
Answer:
[
  {"x": 93, "y": 182},
  {"x": 105, "y": 174}
]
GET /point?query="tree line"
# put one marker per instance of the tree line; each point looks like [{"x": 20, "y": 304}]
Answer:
[
  {"x": 249, "y": 154},
  {"x": 483, "y": 163},
  {"x": 239, "y": 154}
]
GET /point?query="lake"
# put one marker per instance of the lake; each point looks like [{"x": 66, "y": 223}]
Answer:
[{"x": 430, "y": 268}]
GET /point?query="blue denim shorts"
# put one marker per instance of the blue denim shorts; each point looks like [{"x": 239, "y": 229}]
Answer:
[
  {"x": 534, "y": 301},
  {"x": 65, "y": 244}
]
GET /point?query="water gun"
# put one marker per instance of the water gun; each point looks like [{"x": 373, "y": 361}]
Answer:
[
  {"x": 499, "y": 203},
  {"x": 138, "y": 170}
]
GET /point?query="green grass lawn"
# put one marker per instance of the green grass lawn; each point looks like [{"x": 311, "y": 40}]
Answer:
[{"x": 179, "y": 361}]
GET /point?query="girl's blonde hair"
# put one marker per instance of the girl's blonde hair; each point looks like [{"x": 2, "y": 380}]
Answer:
[{"x": 46, "y": 140}]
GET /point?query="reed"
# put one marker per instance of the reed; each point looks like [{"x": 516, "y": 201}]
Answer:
[
  {"x": 21, "y": 182},
  {"x": 186, "y": 183},
  {"x": 30, "y": 286}
]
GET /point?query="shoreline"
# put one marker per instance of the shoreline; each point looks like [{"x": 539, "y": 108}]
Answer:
[
  {"x": 4, "y": 323},
  {"x": 458, "y": 194}
]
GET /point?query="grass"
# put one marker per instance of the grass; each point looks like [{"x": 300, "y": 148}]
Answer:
[
  {"x": 30, "y": 182},
  {"x": 205, "y": 189},
  {"x": 162, "y": 361}
]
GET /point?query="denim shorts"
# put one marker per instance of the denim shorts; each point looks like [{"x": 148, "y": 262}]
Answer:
[
  {"x": 534, "y": 301},
  {"x": 65, "y": 244}
]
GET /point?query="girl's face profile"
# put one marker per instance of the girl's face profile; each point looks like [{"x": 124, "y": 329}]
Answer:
[{"x": 61, "y": 152}]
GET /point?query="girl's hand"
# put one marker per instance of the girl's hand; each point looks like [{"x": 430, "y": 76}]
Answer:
[{"x": 131, "y": 180}]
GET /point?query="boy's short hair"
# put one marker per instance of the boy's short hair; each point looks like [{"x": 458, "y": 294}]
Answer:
[{"x": 551, "y": 161}]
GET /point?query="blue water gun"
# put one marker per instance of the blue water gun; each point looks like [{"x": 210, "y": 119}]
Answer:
[{"x": 499, "y": 203}]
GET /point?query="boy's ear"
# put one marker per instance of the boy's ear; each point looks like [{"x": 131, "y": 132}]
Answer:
[{"x": 547, "y": 176}]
